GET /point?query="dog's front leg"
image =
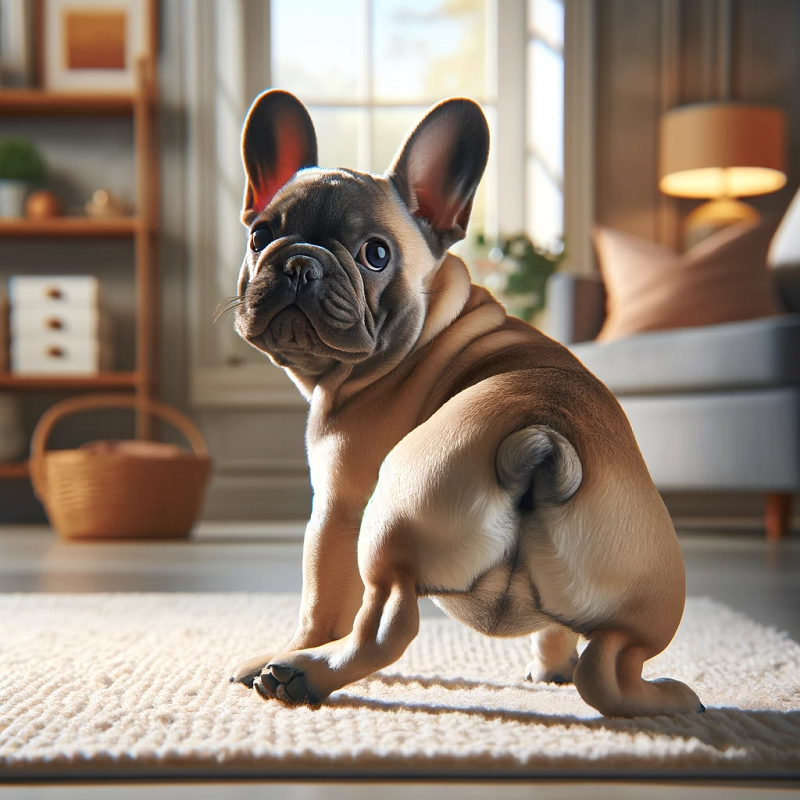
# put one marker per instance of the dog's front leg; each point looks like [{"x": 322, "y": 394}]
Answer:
[
  {"x": 332, "y": 591},
  {"x": 385, "y": 625},
  {"x": 332, "y": 587}
]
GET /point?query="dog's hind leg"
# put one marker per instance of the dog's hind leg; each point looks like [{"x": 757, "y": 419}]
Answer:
[
  {"x": 554, "y": 655},
  {"x": 609, "y": 677}
]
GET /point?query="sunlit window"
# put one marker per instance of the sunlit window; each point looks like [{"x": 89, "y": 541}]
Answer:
[
  {"x": 368, "y": 69},
  {"x": 545, "y": 126}
]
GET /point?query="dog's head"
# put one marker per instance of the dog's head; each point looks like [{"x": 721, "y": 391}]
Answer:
[{"x": 339, "y": 263}]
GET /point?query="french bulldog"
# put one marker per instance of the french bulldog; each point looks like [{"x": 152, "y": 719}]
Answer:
[{"x": 455, "y": 452}]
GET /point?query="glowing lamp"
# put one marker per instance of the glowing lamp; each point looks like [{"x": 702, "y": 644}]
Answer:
[{"x": 721, "y": 151}]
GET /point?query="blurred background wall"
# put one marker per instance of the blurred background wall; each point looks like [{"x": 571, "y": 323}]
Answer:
[{"x": 657, "y": 54}]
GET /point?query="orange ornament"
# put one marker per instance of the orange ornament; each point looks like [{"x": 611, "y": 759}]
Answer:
[{"x": 42, "y": 204}]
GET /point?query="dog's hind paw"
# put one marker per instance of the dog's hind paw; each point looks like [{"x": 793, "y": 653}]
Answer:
[{"x": 537, "y": 672}]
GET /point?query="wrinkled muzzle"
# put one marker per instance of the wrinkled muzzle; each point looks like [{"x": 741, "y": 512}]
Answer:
[{"x": 302, "y": 300}]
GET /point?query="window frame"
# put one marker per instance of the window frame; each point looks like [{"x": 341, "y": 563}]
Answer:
[{"x": 219, "y": 91}]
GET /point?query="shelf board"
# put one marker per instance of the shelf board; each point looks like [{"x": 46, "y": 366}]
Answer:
[
  {"x": 105, "y": 380},
  {"x": 14, "y": 470},
  {"x": 69, "y": 228},
  {"x": 41, "y": 103}
]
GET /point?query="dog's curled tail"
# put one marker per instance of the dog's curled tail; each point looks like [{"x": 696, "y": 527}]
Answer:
[{"x": 538, "y": 465}]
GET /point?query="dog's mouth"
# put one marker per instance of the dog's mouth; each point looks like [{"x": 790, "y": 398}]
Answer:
[
  {"x": 291, "y": 340},
  {"x": 288, "y": 330}
]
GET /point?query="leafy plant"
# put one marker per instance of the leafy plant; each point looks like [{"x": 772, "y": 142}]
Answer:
[
  {"x": 528, "y": 267},
  {"x": 20, "y": 160}
]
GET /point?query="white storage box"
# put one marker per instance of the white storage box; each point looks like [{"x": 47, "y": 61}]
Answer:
[
  {"x": 58, "y": 355},
  {"x": 54, "y": 291},
  {"x": 44, "y": 320},
  {"x": 56, "y": 326}
]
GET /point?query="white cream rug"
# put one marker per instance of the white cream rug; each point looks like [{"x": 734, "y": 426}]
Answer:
[{"x": 137, "y": 685}]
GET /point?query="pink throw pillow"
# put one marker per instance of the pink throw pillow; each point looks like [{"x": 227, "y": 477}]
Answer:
[{"x": 649, "y": 288}]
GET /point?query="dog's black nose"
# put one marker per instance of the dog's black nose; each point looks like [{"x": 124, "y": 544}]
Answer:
[{"x": 302, "y": 269}]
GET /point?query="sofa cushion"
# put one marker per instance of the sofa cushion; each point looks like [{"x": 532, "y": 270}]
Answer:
[
  {"x": 732, "y": 441},
  {"x": 758, "y": 353},
  {"x": 649, "y": 288}
]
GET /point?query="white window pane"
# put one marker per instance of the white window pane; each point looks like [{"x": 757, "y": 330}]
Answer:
[
  {"x": 339, "y": 132},
  {"x": 390, "y": 126},
  {"x": 545, "y": 206},
  {"x": 546, "y": 105},
  {"x": 389, "y": 129},
  {"x": 318, "y": 48},
  {"x": 546, "y": 19},
  {"x": 425, "y": 51},
  {"x": 484, "y": 211}
]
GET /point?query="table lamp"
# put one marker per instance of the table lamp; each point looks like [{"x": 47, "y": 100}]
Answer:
[{"x": 721, "y": 151}]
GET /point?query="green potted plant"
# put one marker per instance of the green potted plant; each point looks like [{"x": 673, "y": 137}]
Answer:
[
  {"x": 522, "y": 270},
  {"x": 20, "y": 165}
]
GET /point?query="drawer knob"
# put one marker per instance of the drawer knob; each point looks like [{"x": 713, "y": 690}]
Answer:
[
  {"x": 54, "y": 323},
  {"x": 54, "y": 293},
  {"x": 54, "y": 352}
]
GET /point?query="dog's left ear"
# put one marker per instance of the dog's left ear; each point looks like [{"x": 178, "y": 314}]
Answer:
[
  {"x": 439, "y": 166},
  {"x": 278, "y": 139}
]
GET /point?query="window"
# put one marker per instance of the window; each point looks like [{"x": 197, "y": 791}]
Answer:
[
  {"x": 367, "y": 70},
  {"x": 545, "y": 123}
]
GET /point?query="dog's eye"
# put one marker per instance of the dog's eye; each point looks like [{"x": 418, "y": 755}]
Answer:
[
  {"x": 259, "y": 239},
  {"x": 374, "y": 255}
]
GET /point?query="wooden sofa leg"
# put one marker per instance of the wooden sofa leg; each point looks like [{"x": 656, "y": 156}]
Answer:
[{"x": 777, "y": 509}]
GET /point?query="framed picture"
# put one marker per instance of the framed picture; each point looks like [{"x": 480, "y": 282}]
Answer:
[{"x": 93, "y": 45}]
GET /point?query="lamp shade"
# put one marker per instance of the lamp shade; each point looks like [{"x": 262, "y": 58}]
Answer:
[{"x": 722, "y": 150}]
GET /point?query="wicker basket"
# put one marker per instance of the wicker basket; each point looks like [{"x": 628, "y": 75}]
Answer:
[{"x": 91, "y": 494}]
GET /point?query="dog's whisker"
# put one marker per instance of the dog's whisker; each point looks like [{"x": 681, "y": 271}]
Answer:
[
  {"x": 229, "y": 301},
  {"x": 221, "y": 313}
]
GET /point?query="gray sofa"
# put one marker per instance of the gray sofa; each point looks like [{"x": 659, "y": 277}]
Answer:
[{"x": 713, "y": 408}]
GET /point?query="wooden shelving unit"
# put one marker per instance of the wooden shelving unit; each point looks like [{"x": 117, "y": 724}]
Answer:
[
  {"x": 141, "y": 106},
  {"x": 69, "y": 228},
  {"x": 14, "y": 471},
  {"x": 41, "y": 103},
  {"x": 66, "y": 383}
]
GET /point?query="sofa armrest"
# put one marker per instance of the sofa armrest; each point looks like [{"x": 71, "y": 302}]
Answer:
[{"x": 576, "y": 307}]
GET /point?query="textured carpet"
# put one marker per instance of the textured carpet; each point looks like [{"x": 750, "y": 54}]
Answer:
[{"x": 137, "y": 685}]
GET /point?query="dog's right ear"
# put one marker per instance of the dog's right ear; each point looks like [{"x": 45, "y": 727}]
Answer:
[{"x": 277, "y": 140}]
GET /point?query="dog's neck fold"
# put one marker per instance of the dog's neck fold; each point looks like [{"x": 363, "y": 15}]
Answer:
[{"x": 447, "y": 293}]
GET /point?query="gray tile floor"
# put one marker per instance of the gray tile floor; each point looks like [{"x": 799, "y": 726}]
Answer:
[{"x": 740, "y": 569}]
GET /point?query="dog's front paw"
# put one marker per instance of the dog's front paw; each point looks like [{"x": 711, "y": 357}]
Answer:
[
  {"x": 247, "y": 672},
  {"x": 538, "y": 672},
  {"x": 287, "y": 684}
]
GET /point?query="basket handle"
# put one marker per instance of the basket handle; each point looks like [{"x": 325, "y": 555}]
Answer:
[{"x": 74, "y": 405}]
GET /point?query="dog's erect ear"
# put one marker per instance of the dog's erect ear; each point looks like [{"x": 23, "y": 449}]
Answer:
[
  {"x": 277, "y": 140},
  {"x": 439, "y": 167}
]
